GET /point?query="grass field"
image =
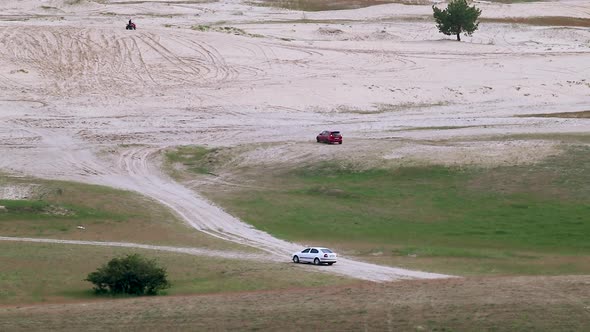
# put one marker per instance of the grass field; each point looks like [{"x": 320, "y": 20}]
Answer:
[
  {"x": 532, "y": 219},
  {"x": 473, "y": 304},
  {"x": 33, "y": 272},
  {"x": 55, "y": 209}
]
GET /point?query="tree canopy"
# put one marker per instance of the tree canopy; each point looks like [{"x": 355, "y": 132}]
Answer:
[
  {"x": 132, "y": 274},
  {"x": 458, "y": 18}
]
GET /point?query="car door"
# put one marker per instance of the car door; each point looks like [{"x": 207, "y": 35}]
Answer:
[
  {"x": 304, "y": 255},
  {"x": 323, "y": 136},
  {"x": 313, "y": 253}
]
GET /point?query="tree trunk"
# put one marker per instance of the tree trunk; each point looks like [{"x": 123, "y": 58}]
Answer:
[{"x": 459, "y": 37}]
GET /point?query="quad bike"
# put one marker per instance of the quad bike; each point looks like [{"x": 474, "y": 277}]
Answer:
[{"x": 130, "y": 26}]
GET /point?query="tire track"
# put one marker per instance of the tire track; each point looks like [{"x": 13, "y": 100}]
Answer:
[
  {"x": 183, "y": 250},
  {"x": 77, "y": 61}
]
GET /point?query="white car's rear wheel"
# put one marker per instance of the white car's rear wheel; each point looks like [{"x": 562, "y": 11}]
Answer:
[
  {"x": 316, "y": 261},
  {"x": 295, "y": 259}
]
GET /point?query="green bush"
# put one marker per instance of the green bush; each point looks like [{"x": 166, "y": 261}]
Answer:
[{"x": 132, "y": 274}]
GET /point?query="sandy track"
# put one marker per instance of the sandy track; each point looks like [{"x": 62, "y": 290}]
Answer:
[
  {"x": 71, "y": 93},
  {"x": 191, "y": 251}
]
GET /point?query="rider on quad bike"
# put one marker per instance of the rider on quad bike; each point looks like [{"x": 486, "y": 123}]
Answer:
[{"x": 130, "y": 26}]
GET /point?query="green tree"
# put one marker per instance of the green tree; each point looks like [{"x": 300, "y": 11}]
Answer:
[
  {"x": 457, "y": 18},
  {"x": 132, "y": 274}
]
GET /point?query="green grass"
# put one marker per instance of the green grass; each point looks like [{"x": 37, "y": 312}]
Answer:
[
  {"x": 55, "y": 209},
  {"x": 415, "y": 205},
  {"x": 33, "y": 272},
  {"x": 492, "y": 217},
  {"x": 192, "y": 158}
]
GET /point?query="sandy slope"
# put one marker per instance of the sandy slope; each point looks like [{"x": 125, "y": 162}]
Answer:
[{"x": 85, "y": 100}]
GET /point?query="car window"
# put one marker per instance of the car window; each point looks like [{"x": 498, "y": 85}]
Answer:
[
  {"x": 327, "y": 251},
  {"x": 336, "y": 133},
  {"x": 305, "y": 251},
  {"x": 314, "y": 251}
]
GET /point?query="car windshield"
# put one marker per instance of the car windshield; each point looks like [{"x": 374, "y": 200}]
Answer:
[{"x": 327, "y": 251}]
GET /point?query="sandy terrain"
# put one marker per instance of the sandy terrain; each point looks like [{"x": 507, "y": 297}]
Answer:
[{"x": 83, "y": 99}]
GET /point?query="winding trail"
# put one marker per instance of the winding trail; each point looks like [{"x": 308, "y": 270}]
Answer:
[{"x": 136, "y": 171}]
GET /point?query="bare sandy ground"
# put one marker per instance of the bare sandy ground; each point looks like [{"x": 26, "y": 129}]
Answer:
[{"x": 83, "y": 99}]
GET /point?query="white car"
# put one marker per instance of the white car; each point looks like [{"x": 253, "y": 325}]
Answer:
[{"x": 315, "y": 255}]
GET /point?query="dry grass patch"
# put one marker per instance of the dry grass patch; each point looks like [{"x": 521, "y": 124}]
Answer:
[
  {"x": 166, "y": 2},
  {"x": 36, "y": 272},
  {"x": 106, "y": 214},
  {"x": 567, "y": 115},
  {"x": 472, "y": 304},
  {"x": 315, "y": 5},
  {"x": 541, "y": 20},
  {"x": 564, "y": 138}
]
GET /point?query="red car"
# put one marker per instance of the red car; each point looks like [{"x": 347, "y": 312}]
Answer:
[{"x": 328, "y": 136}]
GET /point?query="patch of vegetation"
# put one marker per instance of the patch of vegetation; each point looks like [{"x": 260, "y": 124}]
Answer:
[
  {"x": 433, "y": 128},
  {"x": 44, "y": 218},
  {"x": 465, "y": 304},
  {"x": 477, "y": 217},
  {"x": 569, "y": 138},
  {"x": 541, "y": 20},
  {"x": 195, "y": 159},
  {"x": 55, "y": 209},
  {"x": 385, "y": 108},
  {"x": 566, "y": 115},
  {"x": 314, "y": 5},
  {"x": 132, "y": 275},
  {"x": 225, "y": 29}
]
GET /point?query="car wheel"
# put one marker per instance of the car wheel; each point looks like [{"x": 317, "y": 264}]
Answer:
[
  {"x": 317, "y": 140},
  {"x": 339, "y": 142},
  {"x": 316, "y": 261},
  {"x": 330, "y": 263},
  {"x": 295, "y": 259}
]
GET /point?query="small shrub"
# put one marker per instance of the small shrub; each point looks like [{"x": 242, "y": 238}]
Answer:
[{"x": 132, "y": 274}]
